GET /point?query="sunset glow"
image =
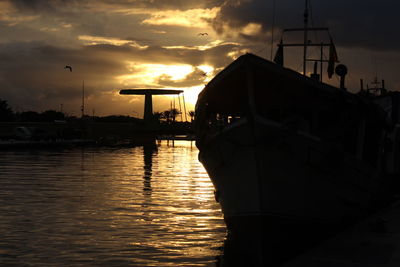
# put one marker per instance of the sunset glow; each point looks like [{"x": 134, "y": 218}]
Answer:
[
  {"x": 191, "y": 96},
  {"x": 188, "y": 18},
  {"x": 176, "y": 133},
  {"x": 150, "y": 73},
  {"x": 96, "y": 40},
  {"x": 162, "y": 44}
]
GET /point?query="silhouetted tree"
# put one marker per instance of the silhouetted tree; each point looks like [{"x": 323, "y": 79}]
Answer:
[
  {"x": 6, "y": 113},
  {"x": 51, "y": 116},
  {"x": 29, "y": 116},
  {"x": 166, "y": 115},
  {"x": 174, "y": 113},
  {"x": 117, "y": 119},
  {"x": 170, "y": 115}
]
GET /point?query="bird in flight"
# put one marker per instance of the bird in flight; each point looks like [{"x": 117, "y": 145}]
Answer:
[
  {"x": 68, "y": 67},
  {"x": 202, "y": 33}
]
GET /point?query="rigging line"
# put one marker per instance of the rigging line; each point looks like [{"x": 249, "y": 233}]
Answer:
[
  {"x": 273, "y": 26},
  {"x": 259, "y": 51},
  {"x": 305, "y": 41},
  {"x": 83, "y": 98},
  {"x": 184, "y": 105},
  {"x": 180, "y": 107}
]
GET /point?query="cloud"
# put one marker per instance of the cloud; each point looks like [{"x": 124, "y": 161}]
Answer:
[
  {"x": 108, "y": 39},
  {"x": 120, "y": 6},
  {"x": 187, "y": 18},
  {"x": 35, "y": 78},
  {"x": 43, "y": 6},
  {"x": 62, "y": 22},
  {"x": 32, "y": 75},
  {"x": 194, "y": 78},
  {"x": 96, "y": 40},
  {"x": 359, "y": 23},
  {"x": 129, "y": 5}
]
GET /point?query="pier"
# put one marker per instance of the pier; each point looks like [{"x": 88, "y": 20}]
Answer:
[{"x": 372, "y": 242}]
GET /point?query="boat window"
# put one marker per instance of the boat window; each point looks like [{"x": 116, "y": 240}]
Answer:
[
  {"x": 232, "y": 119},
  {"x": 221, "y": 120}
]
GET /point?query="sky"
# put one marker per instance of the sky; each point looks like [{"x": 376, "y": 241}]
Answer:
[{"x": 181, "y": 44}]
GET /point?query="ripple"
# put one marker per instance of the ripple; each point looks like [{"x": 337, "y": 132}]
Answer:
[{"x": 91, "y": 207}]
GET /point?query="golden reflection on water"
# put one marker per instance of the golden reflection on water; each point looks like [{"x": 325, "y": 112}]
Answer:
[{"x": 142, "y": 206}]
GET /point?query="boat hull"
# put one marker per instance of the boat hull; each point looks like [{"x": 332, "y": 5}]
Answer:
[{"x": 286, "y": 174}]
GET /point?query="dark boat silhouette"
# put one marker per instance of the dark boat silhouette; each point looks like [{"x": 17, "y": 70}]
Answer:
[{"x": 283, "y": 148}]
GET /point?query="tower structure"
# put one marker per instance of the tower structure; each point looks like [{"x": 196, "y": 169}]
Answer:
[{"x": 148, "y": 102}]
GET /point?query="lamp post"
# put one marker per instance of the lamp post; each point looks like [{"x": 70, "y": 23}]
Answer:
[{"x": 83, "y": 99}]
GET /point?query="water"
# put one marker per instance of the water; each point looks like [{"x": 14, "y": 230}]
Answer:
[{"x": 108, "y": 207}]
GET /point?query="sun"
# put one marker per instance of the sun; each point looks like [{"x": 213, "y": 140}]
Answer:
[{"x": 149, "y": 74}]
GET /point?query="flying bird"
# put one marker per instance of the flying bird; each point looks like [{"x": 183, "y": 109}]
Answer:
[
  {"x": 68, "y": 67},
  {"x": 202, "y": 33}
]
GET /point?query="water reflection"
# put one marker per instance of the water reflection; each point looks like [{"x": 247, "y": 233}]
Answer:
[
  {"x": 148, "y": 151},
  {"x": 108, "y": 207}
]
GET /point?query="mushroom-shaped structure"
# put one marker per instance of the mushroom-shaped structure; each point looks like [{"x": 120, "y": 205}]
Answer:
[{"x": 148, "y": 103}]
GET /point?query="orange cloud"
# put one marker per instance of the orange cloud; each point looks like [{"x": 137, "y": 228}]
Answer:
[{"x": 198, "y": 18}]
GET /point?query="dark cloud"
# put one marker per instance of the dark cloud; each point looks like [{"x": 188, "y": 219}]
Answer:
[
  {"x": 192, "y": 79},
  {"x": 214, "y": 56},
  {"x": 367, "y": 24},
  {"x": 165, "y": 4},
  {"x": 39, "y": 37},
  {"x": 53, "y": 5},
  {"x": 358, "y": 23},
  {"x": 41, "y": 5},
  {"x": 60, "y": 22},
  {"x": 32, "y": 75}
]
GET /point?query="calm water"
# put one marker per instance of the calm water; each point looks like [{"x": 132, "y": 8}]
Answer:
[{"x": 108, "y": 207}]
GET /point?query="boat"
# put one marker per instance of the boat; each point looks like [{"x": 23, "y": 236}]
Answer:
[
  {"x": 389, "y": 102},
  {"x": 283, "y": 148}
]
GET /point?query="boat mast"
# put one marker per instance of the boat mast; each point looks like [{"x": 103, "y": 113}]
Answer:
[
  {"x": 305, "y": 38},
  {"x": 273, "y": 27},
  {"x": 306, "y": 43},
  {"x": 83, "y": 99}
]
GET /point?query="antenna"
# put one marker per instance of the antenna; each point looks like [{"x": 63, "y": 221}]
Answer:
[
  {"x": 307, "y": 43},
  {"x": 273, "y": 27},
  {"x": 305, "y": 38},
  {"x": 180, "y": 107}
]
